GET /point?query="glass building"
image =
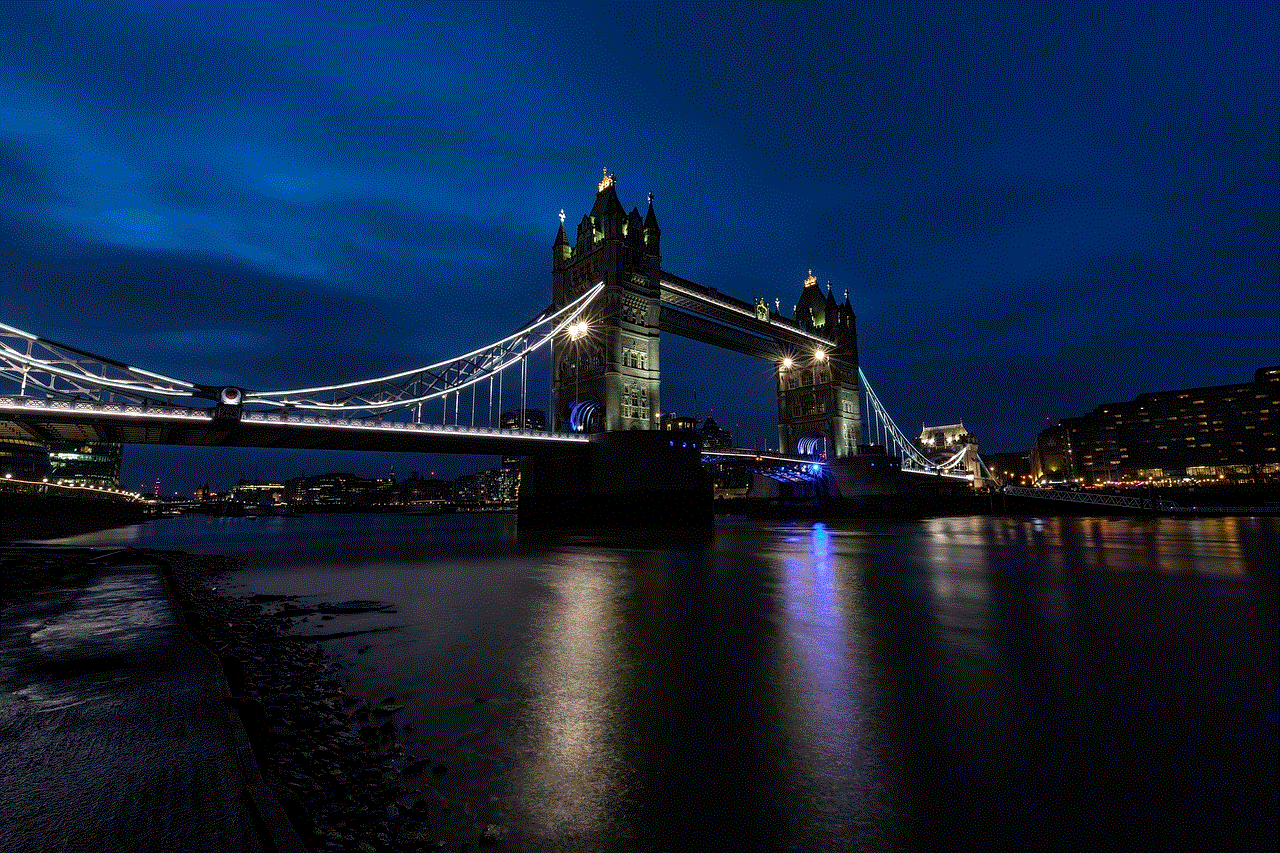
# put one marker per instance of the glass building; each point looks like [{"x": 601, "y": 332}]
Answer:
[{"x": 85, "y": 463}]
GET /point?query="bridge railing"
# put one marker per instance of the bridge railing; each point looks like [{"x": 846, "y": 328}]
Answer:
[
  {"x": 1089, "y": 498},
  {"x": 35, "y": 366},
  {"x": 54, "y": 376}
]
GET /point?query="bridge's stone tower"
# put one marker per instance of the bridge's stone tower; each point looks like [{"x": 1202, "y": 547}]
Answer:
[
  {"x": 818, "y": 392},
  {"x": 608, "y": 378}
]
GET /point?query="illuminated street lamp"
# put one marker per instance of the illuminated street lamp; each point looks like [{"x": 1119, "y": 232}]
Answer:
[
  {"x": 819, "y": 354},
  {"x": 786, "y": 363},
  {"x": 577, "y": 331}
]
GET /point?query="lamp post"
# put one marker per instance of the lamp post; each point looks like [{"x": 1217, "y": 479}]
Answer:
[{"x": 576, "y": 332}]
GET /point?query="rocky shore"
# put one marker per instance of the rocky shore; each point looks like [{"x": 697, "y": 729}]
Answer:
[{"x": 332, "y": 760}]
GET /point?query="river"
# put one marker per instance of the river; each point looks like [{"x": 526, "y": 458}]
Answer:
[{"x": 969, "y": 682}]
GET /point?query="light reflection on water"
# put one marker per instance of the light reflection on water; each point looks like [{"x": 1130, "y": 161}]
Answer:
[
  {"x": 830, "y": 698},
  {"x": 805, "y": 686},
  {"x": 574, "y": 682}
]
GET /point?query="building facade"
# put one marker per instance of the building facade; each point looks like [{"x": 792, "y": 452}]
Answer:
[
  {"x": 819, "y": 412},
  {"x": 607, "y": 376},
  {"x": 85, "y": 463},
  {"x": 1218, "y": 432},
  {"x": 22, "y": 459}
]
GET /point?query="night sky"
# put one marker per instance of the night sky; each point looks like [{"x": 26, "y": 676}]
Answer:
[{"x": 1033, "y": 212}]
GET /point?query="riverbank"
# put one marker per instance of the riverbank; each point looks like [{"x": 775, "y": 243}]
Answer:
[
  {"x": 114, "y": 730},
  {"x": 330, "y": 761},
  {"x": 27, "y": 516}
]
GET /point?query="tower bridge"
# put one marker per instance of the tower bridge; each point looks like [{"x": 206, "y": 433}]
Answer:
[
  {"x": 611, "y": 303},
  {"x": 611, "y": 380}
]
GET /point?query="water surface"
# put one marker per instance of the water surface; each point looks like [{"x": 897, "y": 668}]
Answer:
[{"x": 946, "y": 683}]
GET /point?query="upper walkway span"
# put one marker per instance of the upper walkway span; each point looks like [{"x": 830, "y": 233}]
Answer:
[{"x": 704, "y": 314}]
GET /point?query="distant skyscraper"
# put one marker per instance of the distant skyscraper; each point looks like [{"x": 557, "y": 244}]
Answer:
[{"x": 715, "y": 436}]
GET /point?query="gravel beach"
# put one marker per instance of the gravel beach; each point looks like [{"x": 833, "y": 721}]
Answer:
[{"x": 331, "y": 761}]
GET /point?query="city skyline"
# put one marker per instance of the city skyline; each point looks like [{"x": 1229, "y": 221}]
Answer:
[{"x": 1032, "y": 216}]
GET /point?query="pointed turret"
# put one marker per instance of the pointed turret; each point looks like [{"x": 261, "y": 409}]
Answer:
[
  {"x": 811, "y": 308},
  {"x": 586, "y": 234},
  {"x": 635, "y": 229},
  {"x": 652, "y": 233},
  {"x": 608, "y": 213},
  {"x": 849, "y": 325},
  {"x": 560, "y": 252}
]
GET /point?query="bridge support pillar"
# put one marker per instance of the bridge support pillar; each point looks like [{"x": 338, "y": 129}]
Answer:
[{"x": 641, "y": 480}]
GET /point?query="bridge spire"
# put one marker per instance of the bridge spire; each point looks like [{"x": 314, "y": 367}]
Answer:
[
  {"x": 652, "y": 233},
  {"x": 560, "y": 251},
  {"x": 614, "y": 371}
]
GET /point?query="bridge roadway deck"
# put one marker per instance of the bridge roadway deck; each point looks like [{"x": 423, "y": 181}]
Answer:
[{"x": 45, "y": 420}]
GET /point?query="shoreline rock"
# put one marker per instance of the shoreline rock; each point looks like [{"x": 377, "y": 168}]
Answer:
[{"x": 339, "y": 779}]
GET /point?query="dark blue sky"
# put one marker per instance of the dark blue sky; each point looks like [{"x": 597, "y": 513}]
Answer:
[{"x": 1034, "y": 210}]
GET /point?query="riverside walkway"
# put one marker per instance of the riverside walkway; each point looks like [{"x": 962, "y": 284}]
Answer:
[{"x": 115, "y": 734}]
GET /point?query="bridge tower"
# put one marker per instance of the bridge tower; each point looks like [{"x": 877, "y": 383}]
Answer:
[
  {"x": 818, "y": 392},
  {"x": 607, "y": 377}
]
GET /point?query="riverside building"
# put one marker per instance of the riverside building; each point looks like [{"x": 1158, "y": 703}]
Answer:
[
  {"x": 85, "y": 463},
  {"x": 1222, "y": 432}
]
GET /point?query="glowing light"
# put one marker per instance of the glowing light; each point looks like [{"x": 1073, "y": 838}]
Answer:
[
  {"x": 786, "y": 363},
  {"x": 820, "y": 354},
  {"x": 581, "y": 413}
]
